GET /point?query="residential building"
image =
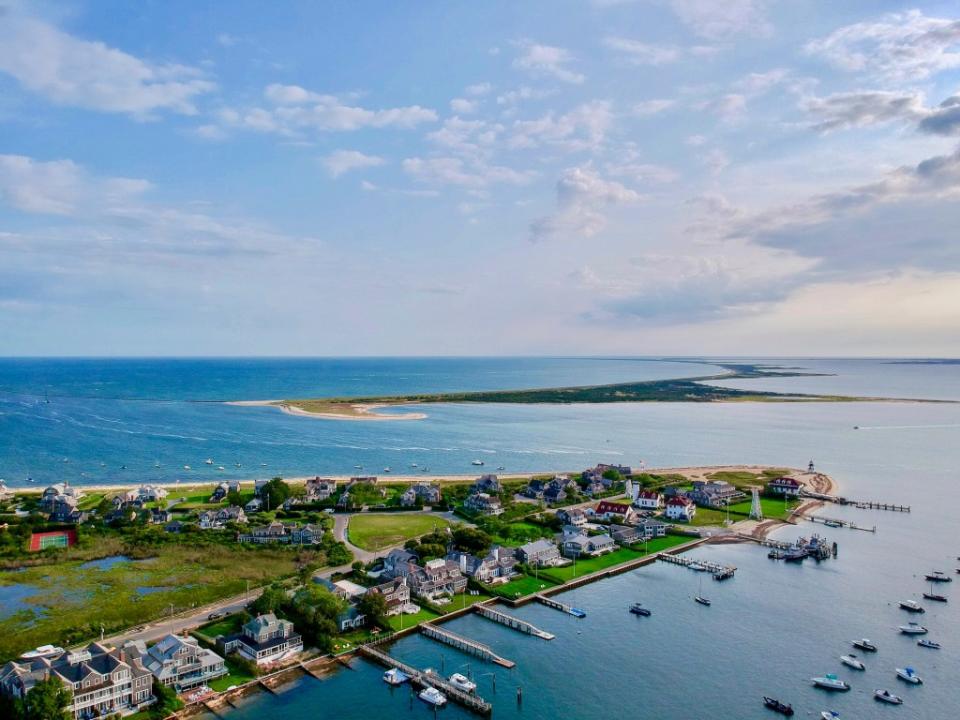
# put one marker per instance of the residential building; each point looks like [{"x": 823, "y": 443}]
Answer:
[
  {"x": 714, "y": 493},
  {"x": 499, "y": 564},
  {"x": 437, "y": 577},
  {"x": 179, "y": 662},
  {"x": 320, "y": 489},
  {"x": 535, "y": 489},
  {"x": 283, "y": 533},
  {"x": 397, "y": 563},
  {"x": 558, "y": 489},
  {"x": 539, "y": 553},
  {"x": 574, "y": 516},
  {"x": 681, "y": 508},
  {"x": 648, "y": 500},
  {"x": 147, "y": 493},
  {"x": 59, "y": 493},
  {"x": 624, "y": 470},
  {"x": 215, "y": 519},
  {"x": 5, "y": 493},
  {"x": 483, "y": 504},
  {"x": 786, "y": 485},
  {"x": 588, "y": 545},
  {"x": 396, "y": 592},
  {"x": 64, "y": 512},
  {"x": 652, "y": 527},
  {"x": 486, "y": 484},
  {"x": 266, "y": 639},
  {"x": 420, "y": 493},
  {"x": 255, "y": 505},
  {"x": 174, "y": 527},
  {"x": 350, "y": 619},
  {"x": 220, "y": 493},
  {"x": 613, "y": 510},
  {"x": 103, "y": 680},
  {"x": 158, "y": 517},
  {"x": 625, "y": 534},
  {"x": 259, "y": 485}
]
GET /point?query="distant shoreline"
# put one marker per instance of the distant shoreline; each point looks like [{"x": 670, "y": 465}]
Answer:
[{"x": 338, "y": 411}]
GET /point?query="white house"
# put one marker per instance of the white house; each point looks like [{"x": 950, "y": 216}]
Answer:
[
  {"x": 681, "y": 508},
  {"x": 648, "y": 500},
  {"x": 786, "y": 485}
]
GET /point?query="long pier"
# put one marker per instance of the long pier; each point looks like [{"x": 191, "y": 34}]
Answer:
[
  {"x": 557, "y": 605},
  {"x": 836, "y": 522},
  {"x": 464, "y": 644},
  {"x": 512, "y": 622},
  {"x": 871, "y": 505},
  {"x": 766, "y": 542},
  {"x": 428, "y": 679},
  {"x": 719, "y": 572}
]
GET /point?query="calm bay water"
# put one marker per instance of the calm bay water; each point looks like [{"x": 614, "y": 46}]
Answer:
[{"x": 769, "y": 630}]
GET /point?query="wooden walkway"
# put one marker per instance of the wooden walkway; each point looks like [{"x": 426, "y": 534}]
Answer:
[
  {"x": 836, "y": 522},
  {"x": 428, "y": 679},
  {"x": 557, "y": 605},
  {"x": 716, "y": 569},
  {"x": 512, "y": 622},
  {"x": 464, "y": 644}
]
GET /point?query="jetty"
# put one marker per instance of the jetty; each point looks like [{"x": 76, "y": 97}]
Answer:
[
  {"x": 719, "y": 571},
  {"x": 557, "y": 605},
  {"x": 836, "y": 522},
  {"x": 512, "y": 622},
  {"x": 464, "y": 644},
  {"x": 428, "y": 678}
]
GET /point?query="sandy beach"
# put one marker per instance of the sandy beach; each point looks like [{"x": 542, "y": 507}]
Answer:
[{"x": 353, "y": 411}]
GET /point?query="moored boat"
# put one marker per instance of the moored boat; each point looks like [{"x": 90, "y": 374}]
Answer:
[
  {"x": 928, "y": 644},
  {"x": 433, "y": 696},
  {"x": 702, "y": 600},
  {"x": 777, "y": 706},
  {"x": 830, "y": 682},
  {"x": 638, "y": 609},
  {"x": 865, "y": 645},
  {"x": 853, "y": 661},
  {"x": 42, "y": 652},
  {"x": 938, "y": 576},
  {"x": 394, "y": 676},
  {"x": 462, "y": 682},
  {"x": 913, "y": 629},
  {"x": 911, "y": 606},
  {"x": 829, "y": 715},
  {"x": 907, "y": 674},
  {"x": 935, "y": 597},
  {"x": 888, "y": 697}
]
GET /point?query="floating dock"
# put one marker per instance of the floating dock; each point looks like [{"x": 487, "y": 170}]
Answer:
[
  {"x": 562, "y": 607},
  {"x": 429, "y": 679},
  {"x": 871, "y": 505},
  {"x": 719, "y": 572},
  {"x": 512, "y": 622},
  {"x": 464, "y": 644}
]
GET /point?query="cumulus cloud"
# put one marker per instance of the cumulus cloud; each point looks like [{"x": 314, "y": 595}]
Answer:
[
  {"x": 582, "y": 198},
  {"x": 641, "y": 53},
  {"x": 944, "y": 119},
  {"x": 904, "y": 46},
  {"x": 646, "y": 108},
  {"x": 89, "y": 74},
  {"x": 341, "y": 161},
  {"x": 478, "y": 89},
  {"x": 841, "y": 111},
  {"x": 722, "y": 20},
  {"x": 584, "y": 127},
  {"x": 460, "y": 172},
  {"x": 464, "y": 106},
  {"x": 546, "y": 61}
]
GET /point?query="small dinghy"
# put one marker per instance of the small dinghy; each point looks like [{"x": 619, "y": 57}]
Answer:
[
  {"x": 829, "y": 715},
  {"x": 638, "y": 609},
  {"x": 777, "y": 706}
]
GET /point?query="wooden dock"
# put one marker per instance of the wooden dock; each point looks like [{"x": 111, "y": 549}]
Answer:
[
  {"x": 464, "y": 644},
  {"x": 719, "y": 572},
  {"x": 562, "y": 607},
  {"x": 871, "y": 505},
  {"x": 837, "y": 522},
  {"x": 766, "y": 542},
  {"x": 428, "y": 679},
  {"x": 512, "y": 622}
]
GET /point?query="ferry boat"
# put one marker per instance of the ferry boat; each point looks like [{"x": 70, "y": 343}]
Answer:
[
  {"x": 394, "y": 676},
  {"x": 928, "y": 644},
  {"x": 911, "y": 606},
  {"x": 433, "y": 696},
  {"x": 865, "y": 645},
  {"x": 913, "y": 629},
  {"x": 830, "y": 682},
  {"x": 42, "y": 652},
  {"x": 907, "y": 674},
  {"x": 853, "y": 661},
  {"x": 638, "y": 609},
  {"x": 938, "y": 576},
  {"x": 888, "y": 697},
  {"x": 462, "y": 682},
  {"x": 777, "y": 706}
]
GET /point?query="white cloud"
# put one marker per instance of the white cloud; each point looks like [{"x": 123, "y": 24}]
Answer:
[
  {"x": 722, "y": 20},
  {"x": 582, "y": 198},
  {"x": 646, "y": 108},
  {"x": 462, "y": 106},
  {"x": 944, "y": 119},
  {"x": 907, "y": 46},
  {"x": 92, "y": 75},
  {"x": 862, "y": 108},
  {"x": 341, "y": 161},
  {"x": 546, "y": 60},
  {"x": 467, "y": 137},
  {"x": 728, "y": 108},
  {"x": 463, "y": 173},
  {"x": 478, "y": 89},
  {"x": 641, "y": 53},
  {"x": 582, "y": 128}
]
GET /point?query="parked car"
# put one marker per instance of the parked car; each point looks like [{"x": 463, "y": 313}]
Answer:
[{"x": 215, "y": 616}]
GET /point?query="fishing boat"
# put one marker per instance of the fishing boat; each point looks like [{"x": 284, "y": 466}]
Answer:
[
  {"x": 43, "y": 651},
  {"x": 433, "y": 696},
  {"x": 777, "y": 706},
  {"x": 462, "y": 682},
  {"x": 907, "y": 674},
  {"x": 928, "y": 644},
  {"x": 913, "y": 629},
  {"x": 853, "y": 661},
  {"x": 393, "y": 676},
  {"x": 938, "y": 576},
  {"x": 888, "y": 697},
  {"x": 830, "y": 682},
  {"x": 911, "y": 606},
  {"x": 865, "y": 645},
  {"x": 638, "y": 609}
]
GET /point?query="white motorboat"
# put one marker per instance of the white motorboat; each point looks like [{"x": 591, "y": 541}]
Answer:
[
  {"x": 42, "y": 652},
  {"x": 186, "y": 467},
  {"x": 477, "y": 462},
  {"x": 907, "y": 674},
  {"x": 830, "y": 682},
  {"x": 911, "y": 606},
  {"x": 208, "y": 461},
  {"x": 888, "y": 697},
  {"x": 829, "y": 715},
  {"x": 865, "y": 645},
  {"x": 928, "y": 644},
  {"x": 462, "y": 682},
  {"x": 913, "y": 629},
  {"x": 852, "y": 661},
  {"x": 433, "y": 696},
  {"x": 393, "y": 676}
]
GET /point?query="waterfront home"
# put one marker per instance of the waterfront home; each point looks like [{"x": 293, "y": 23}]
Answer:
[
  {"x": 320, "y": 489},
  {"x": 651, "y": 528},
  {"x": 486, "y": 484},
  {"x": 648, "y": 500},
  {"x": 539, "y": 553},
  {"x": 350, "y": 619},
  {"x": 146, "y": 493},
  {"x": 786, "y": 485},
  {"x": 558, "y": 489},
  {"x": 714, "y": 493},
  {"x": 421, "y": 493},
  {"x": 497, "y": 566},
  {"x": 588, "y": 545},
  {"x": 67, "y": 514},
  {"x": 615, "y": 511},
  {"x": 535, "y": 489},
  {"x": 624, "y": 470},
  {"x": 233, "y": 486},
  {"x": 215, "y": 519},
  {"x": 483, "y": 504},
  {"x": 57, "y": 494},
  {"x": 573, "y": 516},
  {"x": 396, "y": 592},
  {"x": 595, "y": 480},
  {"x": 680, "y": 507},
  {"x": 178, "y": 662},
  {"x": 625, "y": 534},
  {"x": 265, "y": 639},
  {"x": 102, "y": 680},
  {"x": 255, "y": 505},
  {"x": 437, "y": 577},
  {"x": 220, "y": 493}
]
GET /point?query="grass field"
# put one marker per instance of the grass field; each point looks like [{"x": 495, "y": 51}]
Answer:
[
  {"x": 238, "y": 676},
  {"x": 378, "y": 531},
  {"x": 591, "y": 565},
  {"x": 773, "y": 509},
  {"x": 523, "y": 585},
  {"x": 398, "y": 622},
  {"x": 226, "y": 626}
]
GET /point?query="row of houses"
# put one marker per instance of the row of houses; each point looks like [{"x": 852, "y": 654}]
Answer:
[{"x": 279, "y": 533}]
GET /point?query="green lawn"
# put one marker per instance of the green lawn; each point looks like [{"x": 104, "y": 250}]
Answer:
[
  {"x": 237, "y": 676},
  {"x": 400, "y": 623},
  {"x": 226, "y": 626},
  {"x": 709, "y": 516},
  {"x": 521, "y": 586},
  {"x": 773, "y": 509},
  {"x": 378, "y": 531}
]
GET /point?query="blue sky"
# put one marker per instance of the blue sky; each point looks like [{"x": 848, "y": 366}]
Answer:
[{"x": 565, "y": 176}]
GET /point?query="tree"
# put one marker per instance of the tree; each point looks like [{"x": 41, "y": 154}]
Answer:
[
  {"x": 612, "y": 474},
  {"x": 471, "y": 540},
  {"x": 374, "y": 606},
  {"x": 47, "y": 700},
  {"x": 275, "y": 493},
  {"x": 235, "y": 498},
  {"x": 271, "y": 599}
]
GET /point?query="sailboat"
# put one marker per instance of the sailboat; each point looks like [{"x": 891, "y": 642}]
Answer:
[{"x": 700, "y": 598}]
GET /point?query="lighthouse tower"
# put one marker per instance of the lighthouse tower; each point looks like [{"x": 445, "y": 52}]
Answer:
[
  {"x": 756, "y": 512},
  {"x": 810, "y": 468}
]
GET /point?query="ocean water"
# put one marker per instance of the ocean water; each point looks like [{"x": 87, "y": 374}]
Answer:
[{"x": 769, "y": 630}]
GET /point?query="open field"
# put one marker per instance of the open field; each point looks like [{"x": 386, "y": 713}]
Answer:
[{"x": 378, "y": 531}]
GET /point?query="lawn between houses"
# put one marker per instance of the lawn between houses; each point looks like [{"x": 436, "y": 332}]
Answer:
[{"x": 376, "y": 531}]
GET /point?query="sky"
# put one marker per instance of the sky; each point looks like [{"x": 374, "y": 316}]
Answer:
[{"x": 593, "y": 177}]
